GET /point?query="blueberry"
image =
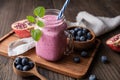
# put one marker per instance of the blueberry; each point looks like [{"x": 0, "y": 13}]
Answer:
[
  {"x": 104, "y": 59},
  {"x": 84, "y": 54},
  {"x": 79, "y": 33},
  {"x": 85, "y": 30},
  {"x": 80, "y": 28},
  {"x": 76, "y": 59},
  {"x": 17, "y": 60},
  {"x": 31, "y": 64},
  {"x": 26, "y": 68},
  {"x": 82, "y": 38},
  {"x": 76, "y": 29},
  {"x": 89, "y": 36},
  {"x": 77, "y": 38},
  {"x": 25, "y": 61},
  {"x": 72, "y": 31},
  {"x": 19, "y": 67},
  {"x": 92, "y": 77}
]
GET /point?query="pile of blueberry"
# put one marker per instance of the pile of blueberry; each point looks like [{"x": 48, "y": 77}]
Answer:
[
  {"x": 81, "y": 34},
  {"x": 23, "y": 64}
]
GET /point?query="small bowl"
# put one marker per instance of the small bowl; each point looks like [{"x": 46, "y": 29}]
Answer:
[
  {"x": 83, "y": 44},
  {"x": 22, "y": 28}
]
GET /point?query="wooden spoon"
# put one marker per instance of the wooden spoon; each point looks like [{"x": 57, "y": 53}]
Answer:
[{"x": 30, "y": 72}]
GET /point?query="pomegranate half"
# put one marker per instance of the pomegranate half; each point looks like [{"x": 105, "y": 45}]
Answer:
[
  {"x": 114, "y": 42},
  {"x": 22, "y": 28}
]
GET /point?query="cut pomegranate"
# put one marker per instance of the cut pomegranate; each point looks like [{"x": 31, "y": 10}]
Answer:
[
  {"x": 114, "y": 43},
  {"x": 22, "y": 28}
]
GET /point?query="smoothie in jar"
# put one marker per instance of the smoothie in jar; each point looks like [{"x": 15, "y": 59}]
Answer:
[{"x": 53, "y": 42}]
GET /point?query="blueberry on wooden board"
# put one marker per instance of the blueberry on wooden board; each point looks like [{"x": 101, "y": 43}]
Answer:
[
  {"x": 76, "y": 59},
  {"x": 84, "y": 54}
]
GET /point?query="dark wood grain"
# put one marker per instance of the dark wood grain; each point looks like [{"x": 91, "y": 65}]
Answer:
[
  {"x": 65, "y": 66},
  {"x": 13, "y": 10}
]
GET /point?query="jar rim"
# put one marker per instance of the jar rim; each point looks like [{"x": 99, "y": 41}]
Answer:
[
  {"x": 54, "y": 23},
  {"x": 55, "y": 11}
]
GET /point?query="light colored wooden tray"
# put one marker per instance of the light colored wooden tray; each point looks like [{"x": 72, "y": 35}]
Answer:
[{"x": 65, "y": 66}]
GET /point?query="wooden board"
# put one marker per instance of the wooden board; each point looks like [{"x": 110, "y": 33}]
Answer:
[{"x": 65, "y": 66}]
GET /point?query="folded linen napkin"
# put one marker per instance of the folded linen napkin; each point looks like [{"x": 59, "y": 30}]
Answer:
[
  {"x": 99, "y": 25},
  {"x": 20, "y": 46}
]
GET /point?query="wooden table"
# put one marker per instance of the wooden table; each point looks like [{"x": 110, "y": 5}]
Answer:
[{"x": 13, "y": 10}]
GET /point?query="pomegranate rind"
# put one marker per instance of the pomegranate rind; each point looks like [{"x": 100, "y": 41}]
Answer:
[
  {"x": 21, "y": 33},
  {"x": 114, "y": 43},
  {"x": 115, "y": 48}
]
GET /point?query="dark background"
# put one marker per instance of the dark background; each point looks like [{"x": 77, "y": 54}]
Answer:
[{"x": 13, "y": 10}]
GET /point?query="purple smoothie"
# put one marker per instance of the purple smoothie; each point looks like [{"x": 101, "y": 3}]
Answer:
[{"x": 53, "y": 42}]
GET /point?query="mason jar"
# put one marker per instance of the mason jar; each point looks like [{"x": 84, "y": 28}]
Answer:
[{"x": 53, "y": 41}]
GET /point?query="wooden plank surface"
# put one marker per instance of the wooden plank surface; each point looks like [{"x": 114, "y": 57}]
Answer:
[
  {"x": 64, "y": 66},
  {"x": 12, "y": 10}
]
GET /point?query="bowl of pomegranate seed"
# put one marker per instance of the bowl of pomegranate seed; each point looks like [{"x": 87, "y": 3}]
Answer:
[{"x": 22, "y": 28}]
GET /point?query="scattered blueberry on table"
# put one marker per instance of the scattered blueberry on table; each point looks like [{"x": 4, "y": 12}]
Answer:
[
  {"x": 92, "y": 77},
  {"x": 104, "y": 59},
  {"x": 81, "y": 34},
  {"x": 76, "y": 59},
  {"x": 23, "y": 64}
]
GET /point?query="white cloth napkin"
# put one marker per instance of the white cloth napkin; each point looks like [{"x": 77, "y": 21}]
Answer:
[
  {"x": 99, "y": 25},
  {"x": 20, "y": 46}
]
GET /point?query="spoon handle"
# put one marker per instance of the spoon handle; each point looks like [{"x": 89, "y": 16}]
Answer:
[{"x": 36, "y": 73}]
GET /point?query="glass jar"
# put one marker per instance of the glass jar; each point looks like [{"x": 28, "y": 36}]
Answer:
[{"x": 53, "y": 42}]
